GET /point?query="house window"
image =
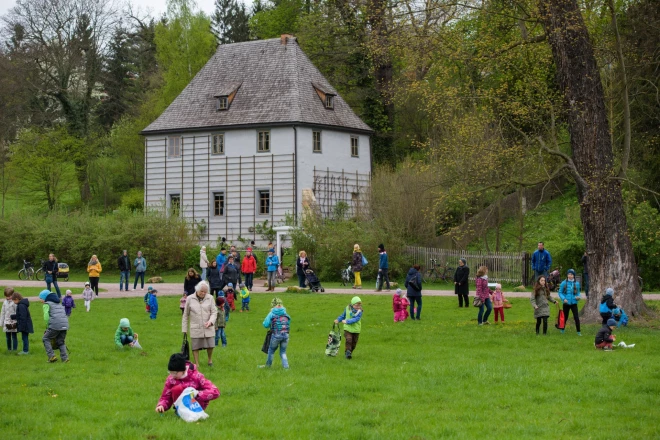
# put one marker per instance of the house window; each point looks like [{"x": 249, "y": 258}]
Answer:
[
  {"x": 174, "y": 147},
  {"x": 219, "y": 143},
  {"x": 316, "y": 141},
  {"x": 329, "y": 101},
  {"x": 264, "y": 202},
  {"x": 222, "y": 103},
  {"x": 218, "y": 203},
  {"x": 355, "y": 146},
  {"x": 175, "y": 205},
  {"x": 263, "y": 145}
]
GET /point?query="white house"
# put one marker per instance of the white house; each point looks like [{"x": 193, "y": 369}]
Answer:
[{"x": 256, "y": 127}]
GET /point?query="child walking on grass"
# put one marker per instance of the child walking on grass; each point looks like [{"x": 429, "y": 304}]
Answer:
[
  {"x": 184, "y": 374},
  {"x": 245, "y": 298},
  {"x": 9, "y": 325},
  {"x": 220, "y": 322},
  {"x": 400, "y": 305},
  {"x": 146, "y": 298},
  {"x": 351, "y": 318},
  {"x": 57, "y": 324},
  {"x": 230, "y": 296},
  {"x": 23, "y": 320},
  {"x": 68, "y": 303},
  {"x": 153, "y": 304},
  {"x": 88, "y": 296},
  {"x": 278, "y": 321},
  {"x": 182, "y": 302},
  {"x": 124, "y": 334},
  {"x": 498, "y": 302}
]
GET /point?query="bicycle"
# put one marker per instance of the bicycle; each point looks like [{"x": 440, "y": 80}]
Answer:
[
  {"x": 433, "y": 274},
  {"x": 40, "y": 273},
  {"x": 27, "y": 273}
]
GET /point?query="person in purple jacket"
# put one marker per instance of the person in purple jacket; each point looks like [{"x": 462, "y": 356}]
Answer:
[{"x": 68, "y": 303}]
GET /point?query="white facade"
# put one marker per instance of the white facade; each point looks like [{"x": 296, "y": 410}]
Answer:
[{"x": 242, "y": 176}]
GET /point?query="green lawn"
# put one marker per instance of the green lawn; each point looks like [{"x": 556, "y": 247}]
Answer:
[{"x": 441, "y": 377}]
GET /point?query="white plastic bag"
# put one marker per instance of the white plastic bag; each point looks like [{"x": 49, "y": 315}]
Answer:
[
  {"x": 188, "y": 408},
  {"x": 136, "y": 344}
]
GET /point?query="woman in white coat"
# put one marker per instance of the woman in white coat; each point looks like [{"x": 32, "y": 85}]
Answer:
[{"x": 200, "y": 315}]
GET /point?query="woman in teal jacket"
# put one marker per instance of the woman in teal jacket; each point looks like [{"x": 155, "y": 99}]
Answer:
[{"x": 569, "y": 293}]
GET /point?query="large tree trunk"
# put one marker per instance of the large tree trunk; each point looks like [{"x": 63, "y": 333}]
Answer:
[{"x": 611, "y": 259}]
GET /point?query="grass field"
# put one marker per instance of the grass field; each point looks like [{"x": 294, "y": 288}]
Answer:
[{"x": 441, "y": 377}]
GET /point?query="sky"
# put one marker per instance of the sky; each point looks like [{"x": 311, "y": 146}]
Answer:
[{"x": 157, "y": 7}]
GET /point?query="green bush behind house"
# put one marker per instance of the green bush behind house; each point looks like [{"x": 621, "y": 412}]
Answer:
[{"x": 74, "y": 238}]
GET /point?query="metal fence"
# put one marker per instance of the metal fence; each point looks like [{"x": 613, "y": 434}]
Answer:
[{"x": 503, "y": 267}]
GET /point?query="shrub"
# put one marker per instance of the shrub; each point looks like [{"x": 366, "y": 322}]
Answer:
[
  {"x": 73, "y": 238},
  {"x": 644, "y": 225},
  {"x": 133, "y": 200}
]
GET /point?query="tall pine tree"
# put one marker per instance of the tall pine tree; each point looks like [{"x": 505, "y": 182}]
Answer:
[{"x": 230, "y": 22}]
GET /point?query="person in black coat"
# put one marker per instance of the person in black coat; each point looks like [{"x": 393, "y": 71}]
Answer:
[
  {"x": 231, "y": 273},
  {"x": 414, "y": 285},
  {"x": 213, "y": 278},
  {"x": 51, "y": 268},
  {"x": 192, "y": 279},
  {"x": 124, "y": 265},
  {"x": 302, "y": 264},
  {"x": 23, "y": 319},
  {"x": 461, "y": 287}
]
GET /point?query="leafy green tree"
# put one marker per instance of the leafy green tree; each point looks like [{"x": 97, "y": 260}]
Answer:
[
  {"x": 230, "y": 22},
  {"x": 276, "y": 18}
]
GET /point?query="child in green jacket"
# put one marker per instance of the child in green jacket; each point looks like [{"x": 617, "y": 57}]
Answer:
[
  {"x": 124, "y": 334},
  {"x": 245, "y": 298},
  {"x": 351, "y": 318}
]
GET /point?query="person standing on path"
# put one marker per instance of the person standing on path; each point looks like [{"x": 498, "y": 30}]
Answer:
[
  {"x": 541, "y": 261},
  {"x": 200, "y": 313},
  {"x": 484, "y": 293},
  {"x": 383, "y": 269},
  {"x": 539, "y": 299},
  {"x": 234, "y": 253},
  {"x": 140, "y": 264},
  {"x": 213, "y": 278},
  {"x": 461, "y": 286},
  {"x": 272, "y": 262},
  {"x": 191, "y": 281},
  {"x": 52, "y": 268},
  {"x": 203, "y": 262},
  {"x": 569, "y": 293},
  {"x": 585, "y": 273},
  {"x": 94, "y": 270},
  {"x": 414, "y": 293},
  {"x": 249, "y": 268},
  {"x": 356, "y": 266},
  {"x": 302, "y": 264},
  {"x": 124, "y": 264}
]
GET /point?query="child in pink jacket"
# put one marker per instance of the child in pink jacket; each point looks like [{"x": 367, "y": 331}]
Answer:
[
  {"x": 498, "y": 302},
  {"x": 184, "y": 374},
  {"x": 400, "y": 306}
]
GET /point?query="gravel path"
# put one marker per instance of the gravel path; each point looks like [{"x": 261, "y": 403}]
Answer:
[{"x": 176, "y": 289}]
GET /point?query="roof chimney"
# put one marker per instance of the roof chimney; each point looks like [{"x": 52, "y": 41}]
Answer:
[{"x": 284, "y": 38}]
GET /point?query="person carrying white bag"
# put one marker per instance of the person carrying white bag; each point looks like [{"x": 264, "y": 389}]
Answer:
[{"x": 187, "y": 390}]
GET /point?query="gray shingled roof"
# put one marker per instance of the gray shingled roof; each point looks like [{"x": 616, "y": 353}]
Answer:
[{"x": 275, "y": 87}]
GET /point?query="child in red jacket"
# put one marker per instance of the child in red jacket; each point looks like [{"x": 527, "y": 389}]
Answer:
[
  {"x": 184, "y": 374},
  {"x": 230, "y": 294}
]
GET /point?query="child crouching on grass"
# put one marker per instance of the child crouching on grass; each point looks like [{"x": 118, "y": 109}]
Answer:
[
  {"x": 88, "y": 296},
  {"x": 184, "y": 374},
  {"x": 220, "y": 322},
  {"x": 124, "y": 334},
  {"x": 498, "y": 302},
  {"x": 351, "y": 318},
  {"x": 604, "y": 337}
]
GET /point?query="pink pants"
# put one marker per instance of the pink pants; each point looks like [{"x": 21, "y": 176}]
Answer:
[{"x": 401, "y": 315}]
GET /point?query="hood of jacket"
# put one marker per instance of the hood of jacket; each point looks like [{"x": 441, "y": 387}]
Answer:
[
  {"x": 25, "y": 302},
  {"x": 53, "y": 298},
  {"x": 278, "y": 311},
  {"x": 412, "y": 271}
]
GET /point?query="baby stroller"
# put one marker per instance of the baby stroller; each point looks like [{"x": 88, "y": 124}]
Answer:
[{"x": 313, "y": 281}]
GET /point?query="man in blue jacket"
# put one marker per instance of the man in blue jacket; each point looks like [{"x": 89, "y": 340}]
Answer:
[
  {"x": 541, "y": 262},
  {"x": 383, "y": 269}
]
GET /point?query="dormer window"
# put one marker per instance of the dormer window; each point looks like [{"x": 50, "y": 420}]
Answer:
[
  {"x": 330, "y": 101},
  {"x": 222, "y": 103},
  {"x": 225, "y": 94}
]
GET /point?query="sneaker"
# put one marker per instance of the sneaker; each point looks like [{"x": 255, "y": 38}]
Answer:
[
  {"x": 579, "y": 334},
  {"x": 52, "y": 360},
  {"x": 348, "y": 354},
  {"x": 65, "y": 362},
  {"x": 262, "y": 366},
  {"x": 21, "y": 353},
  {"x": 562, "y": 331},
  {"x": 607, "y": 349},
  {"x": 486, "y": 323},
  {"x": 481, "y": 323}
]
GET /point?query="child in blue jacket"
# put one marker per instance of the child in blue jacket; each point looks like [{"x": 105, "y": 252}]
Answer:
[
  {"x": 569, "y": 293},
  {"x": 272, "y": 262},
  {"x": 153, "y": 304},
  {"x": 607, "y": 305}
]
